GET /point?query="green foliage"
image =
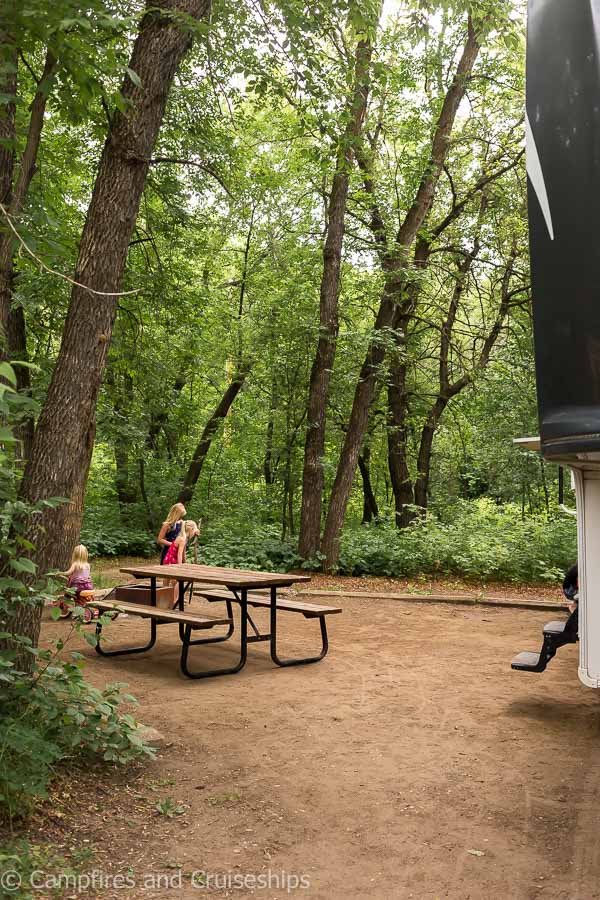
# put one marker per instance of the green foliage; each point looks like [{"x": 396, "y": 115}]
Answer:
[
  {"x": 260, "y": 548},
  {"x": 477, "y": 539},
  {"x": 106, "y": 538},
  {"x": 50, "y": 715},
  {"x": 482, "y": 540},
  {"x": 228, "y": 255},
  {"x": 29, "y": 864},
  {"x": 169, "y": 808},
  {"x": 56, "y": 716}
]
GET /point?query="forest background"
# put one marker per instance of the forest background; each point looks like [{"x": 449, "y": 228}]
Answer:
[{"x": 319, "y": 335}]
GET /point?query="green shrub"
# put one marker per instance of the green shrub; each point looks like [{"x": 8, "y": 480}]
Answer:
[
  {"x": 476, "y": 539},
  {"x": 49, "y": 712},
  {"x": 114, "y": 540},
  {"x": 481, "y": 539},
  {"x": 261, "y": 549},
  {"x": 24, "y": 867},
  {"x": 52, "y": 716}
]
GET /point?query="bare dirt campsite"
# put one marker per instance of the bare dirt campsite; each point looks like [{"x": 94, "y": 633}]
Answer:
[{"x": 410, "y": 763}]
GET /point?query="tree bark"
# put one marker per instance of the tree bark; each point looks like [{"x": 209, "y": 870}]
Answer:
[
  {"x": 400, "y": 478},
  {"x": 425, "y": 449},
  {"x": 393, "y": 264},
  {"x": 320, "y": 376},
  {"x": 370, "y": 508},
  {"x": 59, "y": 462},
  {"x": 201, "y": 452},
  {"x": 12, "y": 320},
  {"x": 268, "y": 465},
  {"x": 158, "y": 420},
  {"x": 121, "y": 389},
  {"x": 8, "y": 87}
]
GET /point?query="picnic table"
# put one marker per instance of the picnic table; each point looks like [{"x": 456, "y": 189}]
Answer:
[{"x": 233, "y": 586}]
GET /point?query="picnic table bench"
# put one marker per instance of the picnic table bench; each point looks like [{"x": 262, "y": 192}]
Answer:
[
  {"x": 308, "y": 610},
  {"x": 242, "y": 587},
  {"x": 187, "y": 621}
]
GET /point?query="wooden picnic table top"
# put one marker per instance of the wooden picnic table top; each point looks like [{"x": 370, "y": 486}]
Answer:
[{"x": 232, "y": 578}]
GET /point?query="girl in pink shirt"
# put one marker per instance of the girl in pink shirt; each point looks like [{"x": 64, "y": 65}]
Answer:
[{"x": 79, "y": 579}]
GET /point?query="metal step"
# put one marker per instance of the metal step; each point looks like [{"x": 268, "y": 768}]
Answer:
[
  {"x": 528, "y": 662},
  {"x": 555, "y": 627}
]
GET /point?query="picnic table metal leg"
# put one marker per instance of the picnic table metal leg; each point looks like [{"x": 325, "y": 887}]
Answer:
[
  {"x": 211, "y": 640},
  {"x": 294, "y": 662},
  {"x": 230, "y": 670},
  {"x": 126, "y": 650}
]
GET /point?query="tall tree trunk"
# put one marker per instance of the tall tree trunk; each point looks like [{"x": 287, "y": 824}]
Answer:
[
  {"x": 201, "y": 452},
  {"x": 8, "y": 87},
  {"x": 268, "y": 467},
  {"x": 397, "y": 451},
  {"x": 151, "y": 518},
  {"x": 160, "y": 418},
  {"x": 370, "y": 508},
  {"x": 425, "y": 449},
  {"x": 12, "y": 320},
  {"x": 59, "y": 463},
  {"x": 393, "y": 264},
  {"x": 398, "y": 397},
  {"x": 320, "y": 376},
  {"x": 121, "y": 389},
  {"x": 125, "y": 487}
]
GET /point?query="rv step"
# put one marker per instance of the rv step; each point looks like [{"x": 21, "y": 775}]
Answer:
[
  {"x": 528, "y": 662},
  {"x": 555, "y": 627}
]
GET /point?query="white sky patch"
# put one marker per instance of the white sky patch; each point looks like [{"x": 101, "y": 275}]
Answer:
[{"x": 536, "y": 176}]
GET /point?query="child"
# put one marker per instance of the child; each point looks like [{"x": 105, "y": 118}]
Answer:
[
  {"x": 175, "y": 554},
  {"x": 170, "y": 528},
  {"x": 79, "y": 579}
]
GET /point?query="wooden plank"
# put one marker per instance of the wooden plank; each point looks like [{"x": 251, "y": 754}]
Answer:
[
  {"x": 236, "y": 578},
  {"x": 153, "y": 612},
  {"x": 309, "y": 610}
]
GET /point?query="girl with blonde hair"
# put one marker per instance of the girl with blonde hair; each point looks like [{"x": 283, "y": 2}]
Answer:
[
  {"x": 175, "y": 554},
  {"x": 79, "y": 579},
  {"x": 170, "y": 529}
]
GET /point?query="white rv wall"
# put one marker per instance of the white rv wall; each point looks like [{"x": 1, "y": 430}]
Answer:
[{"x": 587, "y": 486}]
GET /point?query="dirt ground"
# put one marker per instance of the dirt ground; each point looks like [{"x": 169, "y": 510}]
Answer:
[{"x": 410, "y": 763}]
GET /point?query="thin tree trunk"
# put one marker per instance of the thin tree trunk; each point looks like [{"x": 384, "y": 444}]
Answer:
[
  {"x": 545, "y": 486},
  {"x": 121, "y": 388},
  {"x": 12, "y": 320},
  {"x": 126, "y": 492},
  {"x": 268, "y": 468},
  {"x": 397, "y": 451},
  {"x": 320, "y": 376},
  {"x": 393, "y": 263},
  {"x": 59, "y": 462},
  {"x": 425, "y": 450},
  {"x": 8, "y": 87},
  {"x": 290, "y": 482},
  {"x": 370, "y": 508},
  {"x": 150, "y": 517},
  {"x": 398, "y": 398},
  {"x": 159, "y": 420},
  {"x": 201, "y": 452}
]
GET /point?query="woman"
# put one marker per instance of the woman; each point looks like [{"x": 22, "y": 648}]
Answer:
[{"x": 170, "y": 529}]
